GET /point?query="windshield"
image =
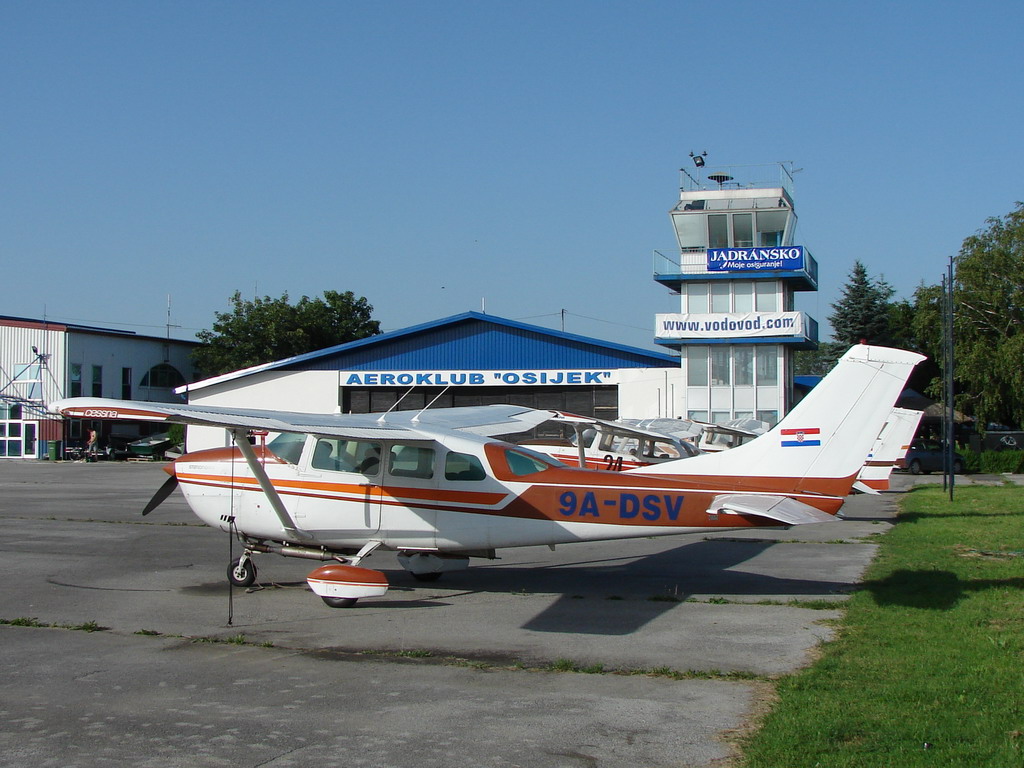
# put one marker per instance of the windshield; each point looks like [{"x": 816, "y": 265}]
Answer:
[{"x": 287, "y": 446}]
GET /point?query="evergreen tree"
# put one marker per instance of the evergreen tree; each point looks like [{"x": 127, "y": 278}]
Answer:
[
  {"x": 266, "y": 329},
  {"x": 862, "y": 314}
]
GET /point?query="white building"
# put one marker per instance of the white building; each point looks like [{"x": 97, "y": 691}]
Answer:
[
  {"x": 467, "y": 359},
  {"x": 736, "y": 273},
  {"x": 42, "y": 361}
]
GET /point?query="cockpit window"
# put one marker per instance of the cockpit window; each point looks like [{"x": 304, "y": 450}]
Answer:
[
  {"x": 520, "y": 463},
  {"x": 346, "y": 456},
  {"x": 463, "y": 466},
  {"x": 411, "y": 461},
  {"x": 287, "y": 446}
]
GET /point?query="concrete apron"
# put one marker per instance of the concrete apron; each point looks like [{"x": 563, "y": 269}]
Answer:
[{"x": 461, "y": 654}]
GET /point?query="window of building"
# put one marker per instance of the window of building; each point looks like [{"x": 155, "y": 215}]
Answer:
[
  {"x": 97, "y": 381},
  {"x": 771, "y": 228},
  {"x": 718, "y": 230},
  {"x": 743, "y": 365},
  {"x": 766, "y": 298},
  {"x": 163, "y": 376},
  {"x": 697, "y": 416},
  {"x": 126, "y": 383},
  {"x": 76, "y": 380},
  {"x": 720, "y": 359},
  {"x": 691, "y": 232},
  {"x": 743, "y": 230},
  {"x": 696, "y": 366},
  {"x": 697, "y": 298},
  {"x": 720, "y": 298},
  {"x": 743, "y": 296},
  {"x": 767, "y": 367},
  {"x": 771, "y": 417},
  {"x": 28, "y": 380}
]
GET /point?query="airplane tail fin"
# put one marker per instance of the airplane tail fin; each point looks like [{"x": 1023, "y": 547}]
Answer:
[{"x": 823, "y": 442}]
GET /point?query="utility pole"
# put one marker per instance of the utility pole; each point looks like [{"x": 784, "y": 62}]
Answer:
[{"x": 948, "y": 458}]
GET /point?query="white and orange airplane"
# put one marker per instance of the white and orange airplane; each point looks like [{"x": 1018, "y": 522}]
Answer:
[
  {"x": 438, "y": 488},
  {"x": 891, "y": 445},
  {"x": 613, "y": 446}
]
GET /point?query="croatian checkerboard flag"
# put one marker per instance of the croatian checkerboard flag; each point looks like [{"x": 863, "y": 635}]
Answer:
[{"x": 801, "y": 438}]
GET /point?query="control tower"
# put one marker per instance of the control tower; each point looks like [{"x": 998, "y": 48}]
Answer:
[{"x": 736, "y": 272}]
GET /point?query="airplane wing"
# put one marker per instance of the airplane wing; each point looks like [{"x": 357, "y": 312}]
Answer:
[
  {"x": 483, "y": 420},
  {"x": 613, "y": 427},
  {"x": 781, "y": 508}
]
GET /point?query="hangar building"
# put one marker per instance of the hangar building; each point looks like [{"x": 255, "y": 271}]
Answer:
[
  {"x": 42, "y": 361},
  {"x": 466, "y": 359}
]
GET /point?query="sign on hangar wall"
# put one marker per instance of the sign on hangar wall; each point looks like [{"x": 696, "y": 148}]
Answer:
[{"x": 531, "y": 378}]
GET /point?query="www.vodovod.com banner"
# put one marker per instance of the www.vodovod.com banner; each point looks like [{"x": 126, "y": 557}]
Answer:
[{"x": 729, "y": 325}]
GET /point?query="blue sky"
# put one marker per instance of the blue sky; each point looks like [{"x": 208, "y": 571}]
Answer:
[{"x": 438, "y": 157}]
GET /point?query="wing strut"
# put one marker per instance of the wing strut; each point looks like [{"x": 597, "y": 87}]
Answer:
[{"x": 241, "y": 438}]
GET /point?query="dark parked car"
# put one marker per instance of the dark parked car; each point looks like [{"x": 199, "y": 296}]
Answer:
[{"x": 925, "y": 456}]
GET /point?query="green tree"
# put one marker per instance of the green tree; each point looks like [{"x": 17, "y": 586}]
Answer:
[
  {"x": 862, "y": 313},
  {"x": 267, "y": 329},
  {"x": 988, "y": 293}
]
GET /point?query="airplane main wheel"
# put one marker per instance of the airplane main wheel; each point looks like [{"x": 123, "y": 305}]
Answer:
[
  {"x": 242, "y": 572},
  {"x": 430, "y": 576},
  {"x": 340, "y": 602}
]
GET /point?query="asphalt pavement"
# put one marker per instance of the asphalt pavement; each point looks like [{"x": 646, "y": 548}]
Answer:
[{"x": 648, "y": 652}]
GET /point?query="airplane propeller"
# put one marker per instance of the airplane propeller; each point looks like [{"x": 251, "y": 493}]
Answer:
[{"x": 161, "y": 494}]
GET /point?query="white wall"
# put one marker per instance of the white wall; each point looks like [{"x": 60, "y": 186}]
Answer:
[
  {"x": 114, "y": 353},
  {"x": 301, "y": 391},
  {"x": 647, "y": 393}
]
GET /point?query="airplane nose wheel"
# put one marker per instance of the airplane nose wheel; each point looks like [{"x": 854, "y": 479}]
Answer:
[
  {"x": 339, "y": 602},
  {"x": 242, "y": 572}
]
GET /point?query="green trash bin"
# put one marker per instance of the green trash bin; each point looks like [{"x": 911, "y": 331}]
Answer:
[{"x": 53, "y": 449}]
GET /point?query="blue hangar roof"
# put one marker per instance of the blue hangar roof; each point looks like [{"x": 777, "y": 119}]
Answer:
[{"x": 470, "y": 341}]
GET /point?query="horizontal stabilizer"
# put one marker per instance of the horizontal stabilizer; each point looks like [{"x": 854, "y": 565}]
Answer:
[
  {"x": 862, "y": 487},
  {"x": 780, "y": 508}
]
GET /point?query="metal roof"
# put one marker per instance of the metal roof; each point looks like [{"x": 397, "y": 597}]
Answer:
[{"x": 471, "y": 340}]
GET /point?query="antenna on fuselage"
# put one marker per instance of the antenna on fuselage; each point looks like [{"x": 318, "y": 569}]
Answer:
[
  {"x": 399, "y": 400},
  {"x": 416, "y": 418}
]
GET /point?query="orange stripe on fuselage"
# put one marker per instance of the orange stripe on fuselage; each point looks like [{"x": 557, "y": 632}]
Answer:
[
  {"x": 326, "y": 490},
  {"x": 567, "y": 494}
]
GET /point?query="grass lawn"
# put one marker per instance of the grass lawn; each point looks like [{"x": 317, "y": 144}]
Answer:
[{"x": 928, "y": 665}]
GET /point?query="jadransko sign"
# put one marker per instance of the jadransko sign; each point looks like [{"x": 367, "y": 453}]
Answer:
[
  {"x": 724, "y": 325},
  {"x": 785, "y": 258}
]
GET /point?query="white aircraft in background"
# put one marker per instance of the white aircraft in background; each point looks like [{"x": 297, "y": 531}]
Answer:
[
  {"x": 438, "y": 488},
  {"x": 613, "y": 445},
  {"x": 890, "y": 446}
]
